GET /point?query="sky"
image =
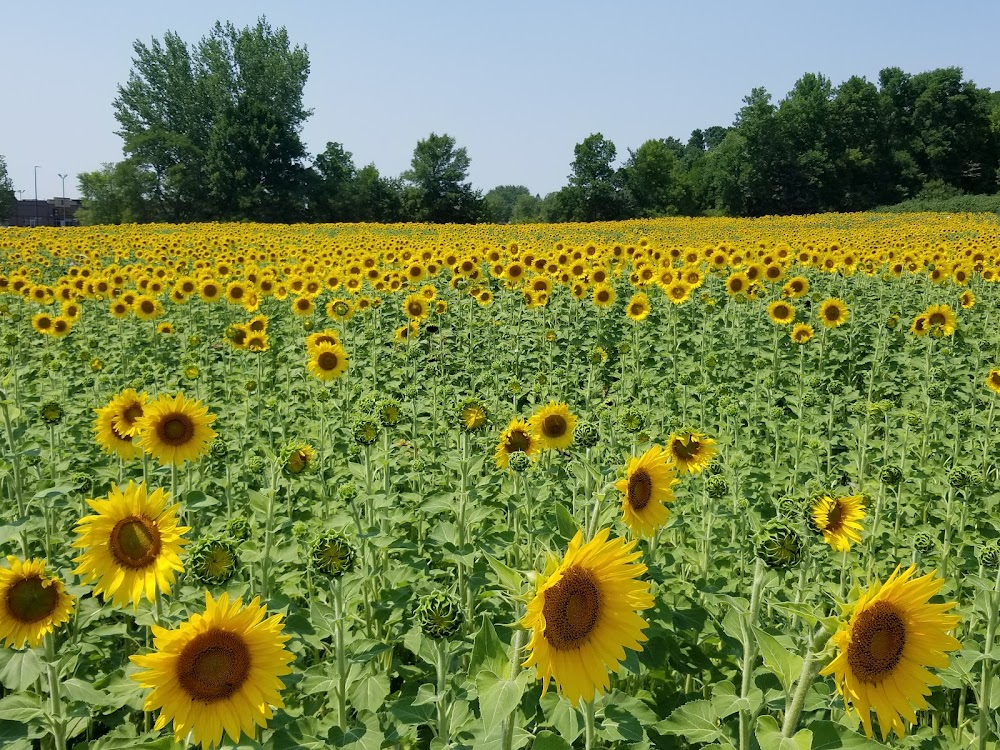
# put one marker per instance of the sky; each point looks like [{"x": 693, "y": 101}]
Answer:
[{"x": 518, "y": 84}]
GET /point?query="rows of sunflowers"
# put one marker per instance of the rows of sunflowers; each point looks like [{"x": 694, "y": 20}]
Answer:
[{"x": 664, "y": 484}]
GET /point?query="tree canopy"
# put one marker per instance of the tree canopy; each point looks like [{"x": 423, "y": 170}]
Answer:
[{"x": 7, "y": 202}]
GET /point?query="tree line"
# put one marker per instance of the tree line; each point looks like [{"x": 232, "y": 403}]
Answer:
[{"x": 211, "y": 131}]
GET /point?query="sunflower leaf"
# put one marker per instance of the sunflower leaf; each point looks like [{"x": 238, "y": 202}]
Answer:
[
  {"x": 697, "y": 721},
  {"x": 770, "y": 737},
  {"x": 828, "y": 735},
  {"x": 20, "y": 668},
  {"x": 778, "y": 659},
  {"x": 22, "y": 707},
  {"x": 497, "y": 698},
  {"x": 509, "y": 578},
  {"x": 488, "y": 651}
]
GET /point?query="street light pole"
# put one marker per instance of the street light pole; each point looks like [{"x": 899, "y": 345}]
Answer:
[
  {"x": 63, "y": 178},
  {"x": 36, "y": 194}
]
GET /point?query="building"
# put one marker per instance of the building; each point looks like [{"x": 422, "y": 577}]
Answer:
[{"x": 55, "y": 212}]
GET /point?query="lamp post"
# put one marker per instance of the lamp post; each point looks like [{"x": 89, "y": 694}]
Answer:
[
  {"x": 63, "y": 178},
  {"x": 36, "y": 194}
]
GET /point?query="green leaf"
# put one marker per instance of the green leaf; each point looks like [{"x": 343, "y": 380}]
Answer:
[
  {"x": 319, "y": 679},
  {"x": 323, "y": 617},
  {"x": 497, "y": 698},
  {"x": 696, "y": 721},
  {"x": 786, "y": 665},
  {"x": 21, "y": 707},
  {"x": 546, "y": 740},
  {"x": 488, "y": 651},
  {"x": 408, "y": 712},
  {"x": 770, "y": 738},
  {"x": 370, "y": 692},
  {"x": 21, "y": 669},
  {"x": 830, "y": 736},
  {"x": 510, "y": 579},
  {"x": 565, "y": 522},
  {"x": 78, "y": 690},
  {"x": 359, "y": 737}
]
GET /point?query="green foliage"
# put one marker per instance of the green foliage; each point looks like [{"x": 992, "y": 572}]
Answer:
[
  {"x": 7, "y": 204},
  {"x": 120, "y": 193},
  {"x": 438, "y": 187}
]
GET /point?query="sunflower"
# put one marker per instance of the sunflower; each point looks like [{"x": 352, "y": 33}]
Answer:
[
  {"x": 737, "y": 284},
  {"x": 678, "y": 292},
  {"x": 210, "y": 291},
  {"x": 32, "y": 604},
  {"x": 42, "y": 323},
  {"x": 584, "y": 615},
  {"x": 838, "y": 520},
  {"x": 638, "y": 307},
  {"x": 328, "y": 336},
  {"x": 218, "y": 671},
  {"x": 645, "y": 488},
  {"x": 327, "y": 361},
  {"x": 415, "y": 306},
  {"x": 893, "y": 634},
  {"x": 919, "y": 326},
  {"x": 132, "y": 545},
  {"x": 517, "y": 437},
  {"x": 303, "y": 307},
  {"x": 833, "y": 312},
  {"x": 110, "y": 438},
  {"x": 940, "y": 320},
  {"x": 128, "y": 408},
  {"x": 691, "y": 451},
  {"x": 258, "y": 342},
  {"x": 968, "y": 299},
  {"x": 604, "y": 295},
  {"x": 801, "y": 333},
  {"x": 553, "y": 425},
  {"x": 119, "y": 309},
  {"x": 795, "y": 287},
  {"x": 993, "y": 381},
  {"x": 146, "y": 307},
  {"x": 175, "y": 429},
  {"x": 781, "y": 313}
]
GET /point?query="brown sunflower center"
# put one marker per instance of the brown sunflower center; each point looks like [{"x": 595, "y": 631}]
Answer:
[
  {"x": 832, "y": 313},
  {"x": 132, "y": 413},
  {"x": 29, "y": 600},
  {"x": 415, "y": 309},
  {"x": 571, "y": 610},
  {"x": 877, "y": 641},
  {"x": 135, "y": 542},
  {"x": 327, "y": 361},
  {"x": 995, "y": 378},
  {"x": 517, "y": 440},
  {"x": 685, "y": 451},
  {"x": 636, "y": 309},
  {"x": 835, "y": 518},
  {"x": 147, "y": 307},
  {"x": 937, "y": 319},
  {"x": 603, "y": 296},
  {"x": 554, "y": 426},
  {"x": 213, "y": 665},
  {"x": 236, "y": 292},
  {"x": 175, "y": 430},
  {"x": 736, "y": 284},
  {"x": 640, "y": 489},
  {"x": 781, "y": 312}
]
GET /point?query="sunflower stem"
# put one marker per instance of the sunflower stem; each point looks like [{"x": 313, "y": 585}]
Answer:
[
  {"x": 590, "y": 724},
  {"x": 810, "y": 668},
  {"x": 442, "y": 690},
  {"x": 337, "y": 589},
  {"x": 986, "y": 675},
  {"x": 515, "y": 670},
  {"x": 749, "y": 650},
  {"x": 265, "y": 563},
  {"x": 58, "y": 723}
]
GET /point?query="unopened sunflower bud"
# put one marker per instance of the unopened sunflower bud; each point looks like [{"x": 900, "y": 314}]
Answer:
[
  {"x": 959, "y": 477},
  {"x": 989, "y": 556},
  {"x": 238, "y": 529},
  {"x": 632, "y": 419},
  {"x": 779, "y": 546},
  {"x": 256, "y": 464},
  {"x": 389, "y": 412},
  {"x": 716, "y": 487},
  {"x": 333, "y": 554},
  {"x": 586, "y": 434},
  {"x": 365, "y": 431},
  {"x": 348, "y": 491},
  {"x": 891, "y": 475},
  {"x": 519, "y": 462},
  {"x": 51, "y": 412},
  {"x": 213, "y": 560},
  {"x": 440, "y": 615}
]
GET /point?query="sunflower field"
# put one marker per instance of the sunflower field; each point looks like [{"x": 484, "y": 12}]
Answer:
[{"x": 674, "y": 483}]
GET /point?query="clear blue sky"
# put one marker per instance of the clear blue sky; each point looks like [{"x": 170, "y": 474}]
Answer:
[{"x": 517, "y": 83}]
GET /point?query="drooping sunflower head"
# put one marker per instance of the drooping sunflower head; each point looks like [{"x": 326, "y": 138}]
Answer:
[
  {"x": 691, "y": 451},
  {"x": 833, "y": 312},
  {"x": 517, "y": 437},
  {"x": 217, "y": 672},
  {"x": 553, "y": 425},
  {"x": 175, "y": 429},
  {"x": 838, "y": 520},
  {"x": 327, "y": 361},
  {"x": 109, "y": 437},
  {"x": 648, "y": 484},
  {"x": 584, "y": 615},
  {"x": 128, "y": 407},
  {"x": 131, "y": 545},
  {"x": 297, "y": 458},
  {"x": 32, "y": 604},
  {"x": 892, "y": 635}
]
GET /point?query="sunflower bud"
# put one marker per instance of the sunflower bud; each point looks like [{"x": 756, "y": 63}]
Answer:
[
  {"x": 191, "y": 372},
  {"x": 348, "y": 491},
  {"x": 515, "y": 387},
  {"x": 256, "y": 464},
  {"x": 440, "y": 615},
  {"x": 959, "y": 477},
  {"x": 779, "y": 546},
  {"x": 51, "y": 412},
  {"x": 716, "y": 487},
  {"x": 219, "y": 449},
  {"x": 586, "y": 435},
  {"x": 250, "y": 386},
  {"x": 83, "y": 481},
  {"x": 366, "y": 403},
  {"x": 96, "y": 364},
  {"x": 989, "y": 556},
  {"x": 632, "y": 419},
  {"x": 213, "y": 560},
  {"x": 913, "y": 419},
  {"x": 472, "y": 415},
  {"x": 519, "y": 462},
  {"x": 238, "y": 529},
  {"x": 332, "y": 554},
  {"x": 10, "y": 339},
  {"x": 297, "y": 458},
  {"x": 923, "y": 542},
  {"x": 891, "y": 475},
  {"x": 389, "y": 412}
]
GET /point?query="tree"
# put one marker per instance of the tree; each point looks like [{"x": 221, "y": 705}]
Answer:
[
  {"x": 439, "y": 190},
  {"x": 334, "y": 194},
  {"x": 120, "y": 193},
  {"x": 218, "y": 123},
  {"x": 652, "y": 179},
  {"x": 377, "y": 198},
  {"x": 501, "y": 201},
  {"x": 8, "y": 206},
  {"x": 594, "y": 192}
]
